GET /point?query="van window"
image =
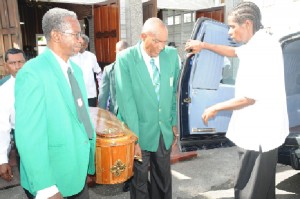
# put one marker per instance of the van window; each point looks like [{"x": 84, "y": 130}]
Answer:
[{"x": 229, "y": 70}]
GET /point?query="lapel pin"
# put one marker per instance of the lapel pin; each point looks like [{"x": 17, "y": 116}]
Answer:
[{"x": 79, "y": 102}]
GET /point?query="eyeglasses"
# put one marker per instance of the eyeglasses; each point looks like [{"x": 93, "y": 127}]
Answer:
[
  {"x": 16, "y": 62},
  {"x": 77, "y": 35},
  {"x": 156, "y": 41}
]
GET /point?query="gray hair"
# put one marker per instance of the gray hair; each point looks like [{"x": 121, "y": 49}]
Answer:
[
  {"x": 151, "y": 25},
  {"x": 247, "y": 11},
  {"x": 54, "y": 19},
  {"x": 85, "y": 38}
]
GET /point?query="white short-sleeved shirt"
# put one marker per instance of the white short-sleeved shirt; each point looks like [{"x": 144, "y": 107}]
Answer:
[
  {"x": 87, "y": 61},
  {"x": 260, "y": 77},
  {"x": 7, "y": 117}
]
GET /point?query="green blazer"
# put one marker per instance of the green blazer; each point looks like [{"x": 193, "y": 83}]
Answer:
[
  {"x": 107, "y": 89},
  {"x": 137, "y": 100},
  {"x": 52, "y": 143}
]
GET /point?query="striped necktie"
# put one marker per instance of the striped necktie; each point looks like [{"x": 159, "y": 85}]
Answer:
[
  {"x": 155, "y": 78},
  {"x": 80, "y": 106}
]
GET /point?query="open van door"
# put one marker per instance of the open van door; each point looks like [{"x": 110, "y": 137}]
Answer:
[
  {"x": 206, "y": 78},
  {"x": 289, "y": 152}
]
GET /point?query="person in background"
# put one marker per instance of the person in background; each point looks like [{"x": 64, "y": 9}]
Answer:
[
  {"x": 107, "y": 88},
  {"x": 87, "y": 61},
  {"x": 259, "y": 123},
  {"x": 107, "y": 91},
  {"x": 54, "y": 134},
  {"x": 14, "y": 60},
  {"x": 146, "y": 84}
]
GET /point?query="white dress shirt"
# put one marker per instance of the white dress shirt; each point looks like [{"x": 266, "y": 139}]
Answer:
[
  {"x": 7, "y": 117},
  {"x": 260, "y": 77},
  {"x": 87, "y": 61},
  {"x": 147, "y": 59}
]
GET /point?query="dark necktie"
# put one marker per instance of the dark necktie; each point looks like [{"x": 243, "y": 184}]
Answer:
[
  {"x": 80, "y": 106},
  {"x": 155, "y": 78}
]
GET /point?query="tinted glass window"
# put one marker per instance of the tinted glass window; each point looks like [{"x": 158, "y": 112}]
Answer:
[{"x": 229, "y": 70}]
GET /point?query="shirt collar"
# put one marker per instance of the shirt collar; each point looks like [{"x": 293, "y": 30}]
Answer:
[{"x": 61, "y": 62}]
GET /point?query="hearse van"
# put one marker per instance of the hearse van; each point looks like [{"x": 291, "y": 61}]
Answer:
[{"x": 207, "y": 78}]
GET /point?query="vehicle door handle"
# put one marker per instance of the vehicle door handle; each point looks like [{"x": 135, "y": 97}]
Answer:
[{"x": 187, "y": 100}]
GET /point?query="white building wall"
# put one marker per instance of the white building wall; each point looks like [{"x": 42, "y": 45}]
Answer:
[
  {"x": 178, "y": 33},
  {"x": 131, "y": 20},
  {"x": 123, "y": 35},
  {"x": 280, "y": 16}
]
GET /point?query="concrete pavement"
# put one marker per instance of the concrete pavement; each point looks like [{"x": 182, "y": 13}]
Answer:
[{"x": 208, "y": 176}]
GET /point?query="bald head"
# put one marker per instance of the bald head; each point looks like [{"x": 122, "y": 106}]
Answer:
[
  {"x": 153, "y": 26},
  {"x": 121, "y": 45},
  {"x": 154, "y": 36}
]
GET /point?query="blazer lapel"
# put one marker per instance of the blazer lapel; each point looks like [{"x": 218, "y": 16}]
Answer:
[
  {"x": 62, "y": 82},
  {"x": 143, "y": 72}
]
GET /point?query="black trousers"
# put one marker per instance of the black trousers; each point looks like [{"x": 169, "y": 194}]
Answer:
[
  {"x": 256, "y": 176},
  {"x": 160, "y": 185}
]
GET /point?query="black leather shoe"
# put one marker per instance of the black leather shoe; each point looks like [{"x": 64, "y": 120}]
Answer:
[{"x": 126, "y": 186}]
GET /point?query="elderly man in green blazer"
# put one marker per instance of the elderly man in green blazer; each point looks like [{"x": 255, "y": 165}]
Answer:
[
  {"x": 146, "y": 82},
  {"x": 55, "y": 151}
]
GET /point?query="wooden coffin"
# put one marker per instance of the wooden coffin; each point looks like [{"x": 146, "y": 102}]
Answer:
[{"x": 114, "y": 148}]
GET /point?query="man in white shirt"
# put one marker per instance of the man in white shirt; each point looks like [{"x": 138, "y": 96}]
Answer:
[
  {"x": 259, "y": 123},
  {"x": 87, "y": 61},
  {"x": 14, "y": 60}
]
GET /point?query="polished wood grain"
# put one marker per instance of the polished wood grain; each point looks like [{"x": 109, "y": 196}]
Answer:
[{"x": 114, "y": 148}]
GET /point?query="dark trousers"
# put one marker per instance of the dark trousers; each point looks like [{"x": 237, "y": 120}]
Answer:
[
  {"x": 160, "y": 185},
  {"x": 92, "y": 102},
  {"x": 256, "y": 176}
]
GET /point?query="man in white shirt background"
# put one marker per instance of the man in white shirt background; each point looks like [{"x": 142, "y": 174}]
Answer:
[
  {"x": 14, "y": 60},
  {"x": 87, "y": 61}
]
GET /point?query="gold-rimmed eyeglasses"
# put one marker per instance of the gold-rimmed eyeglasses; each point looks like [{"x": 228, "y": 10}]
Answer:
[{"x": 77, "y": 35}]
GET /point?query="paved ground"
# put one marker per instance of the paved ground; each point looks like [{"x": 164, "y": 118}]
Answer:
[{"x": 209, "y": 176}]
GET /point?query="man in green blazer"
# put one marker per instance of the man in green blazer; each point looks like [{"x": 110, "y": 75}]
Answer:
[
  {"x": 55, "y": 151},
  {"x": 148, "y": 107},
  {"x": 107, "y": 87}
]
